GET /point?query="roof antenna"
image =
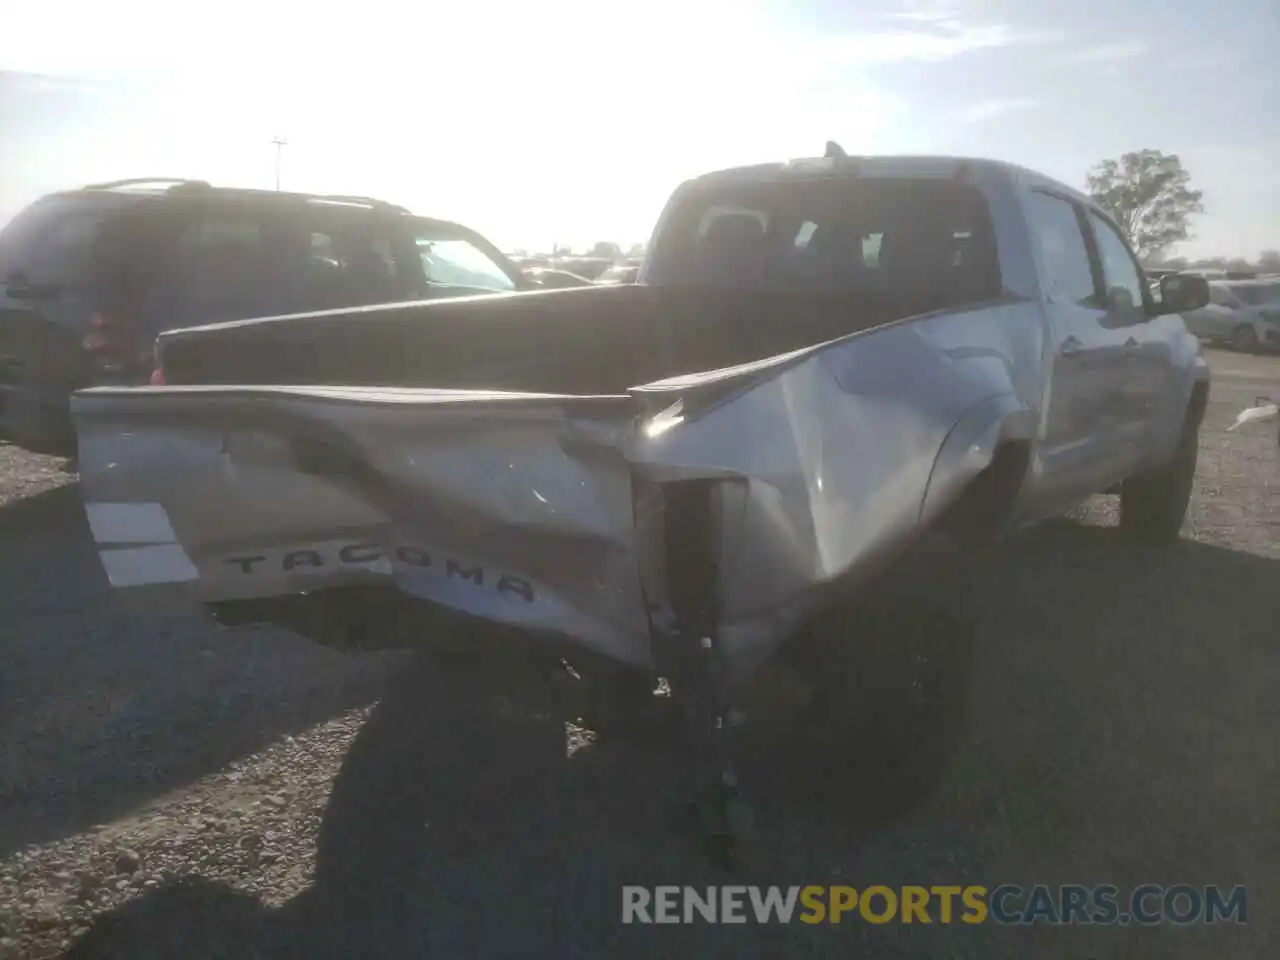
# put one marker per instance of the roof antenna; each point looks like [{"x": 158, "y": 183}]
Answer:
[{"x": 835, "y": 151}]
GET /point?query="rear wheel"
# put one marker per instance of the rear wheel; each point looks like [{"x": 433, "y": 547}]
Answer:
[
  {"x": 1244, "y": 338},
  {"x": 1153, "y": 505},
  {"x": 605, "y": 697},
  {"x": 891, "y": 672},
  {"x": 48, "y": 439}
]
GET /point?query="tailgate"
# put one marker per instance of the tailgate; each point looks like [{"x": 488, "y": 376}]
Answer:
[
  {"x": 514, "y": 507},
  {"x": 545, "y": 511}
]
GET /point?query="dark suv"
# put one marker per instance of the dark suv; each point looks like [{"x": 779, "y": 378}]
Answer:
[{"x": 89, "y": 277}]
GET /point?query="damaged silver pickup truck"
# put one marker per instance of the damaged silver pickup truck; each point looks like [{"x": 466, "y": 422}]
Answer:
[{"x": 831, "y": 370}]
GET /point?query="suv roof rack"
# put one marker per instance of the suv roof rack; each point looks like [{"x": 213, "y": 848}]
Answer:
[
  {"x": 354, "y": 199},
  {"x": 181, "y": 185},
  {"x": 138, "y": 181}
]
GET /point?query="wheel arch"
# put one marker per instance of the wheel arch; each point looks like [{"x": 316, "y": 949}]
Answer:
[
  {"x": 978, "y": 473},
  {"x": 1197, "y": 402}
]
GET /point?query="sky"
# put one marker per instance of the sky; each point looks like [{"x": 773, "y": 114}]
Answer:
[{"x": 572, "y": 120}]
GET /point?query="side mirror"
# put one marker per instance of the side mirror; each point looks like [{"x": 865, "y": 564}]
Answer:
[{"x": 1181, "y": 293}]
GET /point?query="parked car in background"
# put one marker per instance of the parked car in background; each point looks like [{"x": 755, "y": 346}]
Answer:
[
  {"x": 524, "y": 262},
  {"x": 1218, "y": 273},
  {"x": 549, "y": 278},
  {"x": 89, "y": 277},
  {"x": 620, "y": 273},
  {"x": 1243, "y": 314},
  {"x": 589, "y": 267}
]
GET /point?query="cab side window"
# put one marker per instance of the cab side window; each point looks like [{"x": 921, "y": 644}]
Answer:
[
  {"x": 1121, "y": 275},
  {"x": 1064, "y": 253}
]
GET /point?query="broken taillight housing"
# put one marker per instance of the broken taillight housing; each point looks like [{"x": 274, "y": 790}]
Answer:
[
  {"x": 98, "y": 338},
  {"x": 113, "y": 345}
]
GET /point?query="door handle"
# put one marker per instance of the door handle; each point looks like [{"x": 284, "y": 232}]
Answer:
[{"x": 1071, "y": 347}]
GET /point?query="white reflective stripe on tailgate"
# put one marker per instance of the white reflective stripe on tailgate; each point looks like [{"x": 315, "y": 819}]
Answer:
[
  {"x": 129, "y": 523},
  {"x": 139, "y": 566}
]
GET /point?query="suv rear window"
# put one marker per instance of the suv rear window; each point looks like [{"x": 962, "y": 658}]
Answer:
[
  {"x": 54, "y": 239},
  {"x": 897, "y": 237}
]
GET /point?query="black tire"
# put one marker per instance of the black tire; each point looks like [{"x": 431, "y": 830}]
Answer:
[
  {"x": 50, "y": 438},
  {"x": 1245, "y": 339},
  {"x": 1153, "y": 505},
  {"x": 605, "y": 697},
  {"x": 892, "y": 676}
]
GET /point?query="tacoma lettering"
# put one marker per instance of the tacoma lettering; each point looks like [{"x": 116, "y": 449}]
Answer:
[
  {"x": 359, "y": 553},
  {"x": 474, "y": 574},
  {"x": 363, "y": 553},
  {"x": 521, "y": 588},
  {"x": 419, "y": 558},
  {"x": 303, "y": 558}
]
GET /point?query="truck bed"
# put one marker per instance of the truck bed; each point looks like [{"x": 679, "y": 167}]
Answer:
[{"x": 577, "y": 341}]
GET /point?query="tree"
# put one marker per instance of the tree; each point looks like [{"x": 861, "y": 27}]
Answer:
[
  {"x": 1269, "y": 261},
  {"x": 1149, "y": 195},
  {"x": 607, "y": 250}
]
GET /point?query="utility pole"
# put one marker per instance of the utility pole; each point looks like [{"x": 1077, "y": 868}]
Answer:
[{"x": 280, "y": 143}]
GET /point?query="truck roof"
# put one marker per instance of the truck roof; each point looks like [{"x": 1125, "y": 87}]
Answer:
[{"x": 908, "y": 165}]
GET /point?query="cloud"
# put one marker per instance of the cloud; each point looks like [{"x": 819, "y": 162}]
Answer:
[
  {"x": 1109, "y": 52},
  {"x": 429, "y": 113},
  {"x": 944, "y": 43},
  {"x": 492, "y": 36},
  {"x": 1214, "y": 60},
  {"x": 927, "y": 11},
  {"x": 939, "y": 30},
  {"x": 990, "y": 109}
]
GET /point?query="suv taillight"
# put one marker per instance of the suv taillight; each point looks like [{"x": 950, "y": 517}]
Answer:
[
  {"x": 99, "y": 336},
  {"x": 113, "y": 345}
]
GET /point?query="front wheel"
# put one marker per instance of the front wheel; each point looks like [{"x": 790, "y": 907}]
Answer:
[{"x": 1153, "y": 505}]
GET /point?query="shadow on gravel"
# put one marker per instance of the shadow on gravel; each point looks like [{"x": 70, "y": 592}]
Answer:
[
  {"x": 102, "y": 710},
  {"x": 458, "y": 825},
  {"x": 46, "y": 514}
]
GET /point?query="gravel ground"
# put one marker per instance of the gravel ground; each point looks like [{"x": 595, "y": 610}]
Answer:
[{"x": 174, "y": 791}]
